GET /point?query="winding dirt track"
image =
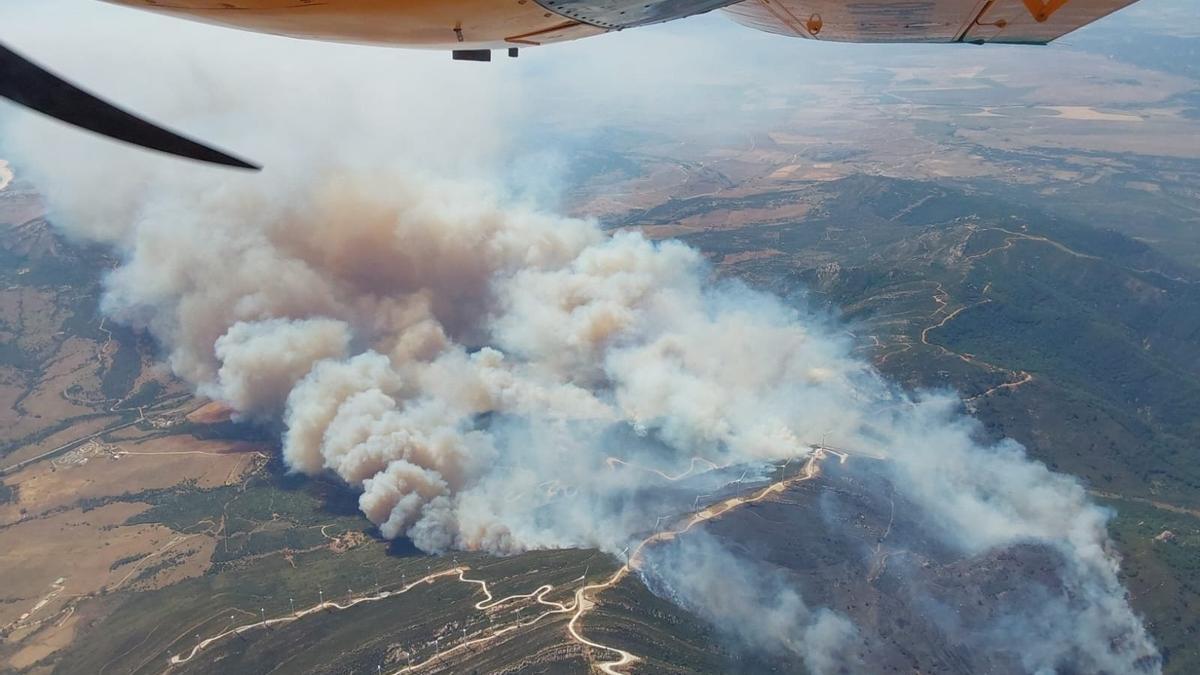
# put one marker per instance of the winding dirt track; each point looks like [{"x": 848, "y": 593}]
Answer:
[
  {"x": 1018, "y": 378},
  {"x": 300, "y": 614},
  {"x": 585, "y": 598},
  {"x": 458, "y": 573},
  {"x": 613, "y": 462},
  {"x": 583, "y": 604}
]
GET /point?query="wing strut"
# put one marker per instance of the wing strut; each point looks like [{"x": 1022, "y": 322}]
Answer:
[{"x": 34, "y": 87}]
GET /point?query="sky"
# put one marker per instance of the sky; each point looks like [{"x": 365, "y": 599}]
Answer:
[{"x": 688, "y": 72}]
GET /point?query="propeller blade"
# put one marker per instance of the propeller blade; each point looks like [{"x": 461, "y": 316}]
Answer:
[{"x": 32, "y": 86}]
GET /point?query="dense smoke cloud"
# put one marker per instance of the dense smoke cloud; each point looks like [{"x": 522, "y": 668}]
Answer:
[{"x": 471, "y": 362}]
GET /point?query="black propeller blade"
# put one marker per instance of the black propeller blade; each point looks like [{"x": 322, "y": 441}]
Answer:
[{"x": 32, "y": 86}]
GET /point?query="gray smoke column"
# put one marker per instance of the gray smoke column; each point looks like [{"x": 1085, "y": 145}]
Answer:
[
  {"x": 757, "y": 606},
  {"x": 470, "y": 362}
]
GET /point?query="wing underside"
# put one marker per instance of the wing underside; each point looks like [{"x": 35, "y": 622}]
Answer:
[{"x": 979, "y": 21}]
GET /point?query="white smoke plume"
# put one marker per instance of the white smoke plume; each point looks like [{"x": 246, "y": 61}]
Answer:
[
  {"x": 762, "y": 609},
  {"x": 470, "y": 362}
]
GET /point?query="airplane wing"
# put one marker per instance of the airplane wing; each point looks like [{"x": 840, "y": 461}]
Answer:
[{"x": 976, "y": 21}]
